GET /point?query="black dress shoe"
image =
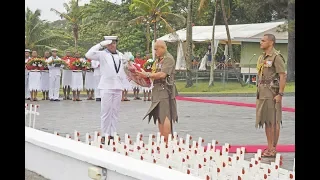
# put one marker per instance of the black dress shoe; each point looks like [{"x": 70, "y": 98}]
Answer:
[
  {"x": 56, "y": 100},
  {"x": 98, "y": 99},
  {"x": 51, "y": 99}
]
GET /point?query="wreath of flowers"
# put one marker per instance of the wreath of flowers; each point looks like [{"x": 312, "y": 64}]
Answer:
[
  {"x": 87, "y": 66},
  {"x": 77, "y": 65},
  {"x": 36, "y": 64},
  {"x": 63, "y": 64},
  {"x": 147, "y": 66}
]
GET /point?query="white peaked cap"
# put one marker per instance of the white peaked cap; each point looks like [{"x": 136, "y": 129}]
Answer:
[
  {"x": 112, "y": 38},
  {"x": 27, "y": 50},
  {"x": 54, "y": 49}
]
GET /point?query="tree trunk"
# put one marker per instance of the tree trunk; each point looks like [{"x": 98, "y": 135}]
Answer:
[
  {"x": 75, "y": 44},
  {"x": 155, "y": 32},
  {"x": 189, "y": 46},
  {"x": 213, "y": 58},
  {"x": 291, "y": 42},
  {"x": 148, "y": 38},
  {"x": 227, "y": 30}
]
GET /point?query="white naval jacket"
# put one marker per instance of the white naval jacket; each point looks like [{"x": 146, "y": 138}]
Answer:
[
  {"x": 95, "y": 65},
  {"x": 110, "y": 79},
  {"x": 53, "y": 71}
]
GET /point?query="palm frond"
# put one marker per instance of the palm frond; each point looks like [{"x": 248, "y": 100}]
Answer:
[
  {"x": 138, "y": 20},
  {"x": 167, "y": 25},
  {"x": 62, "y": 15},
  {"x": 66, "y": 7},
  {"x": 176, "y": 19}
]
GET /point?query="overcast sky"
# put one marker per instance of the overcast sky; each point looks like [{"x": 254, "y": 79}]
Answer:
[{"x": 46, "y": 5}]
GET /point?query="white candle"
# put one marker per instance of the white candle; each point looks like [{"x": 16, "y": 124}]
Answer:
[
  {"x": 95, "y": 137},
  {"x": 87, "y": 138}
]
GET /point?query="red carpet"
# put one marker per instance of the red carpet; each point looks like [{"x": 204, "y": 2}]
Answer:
[
  {"x": 231, "y": 103},
  {"x": 254, "y": 148}
]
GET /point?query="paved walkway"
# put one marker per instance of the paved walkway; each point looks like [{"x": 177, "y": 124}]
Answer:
[{"x": 227, "y": 124}]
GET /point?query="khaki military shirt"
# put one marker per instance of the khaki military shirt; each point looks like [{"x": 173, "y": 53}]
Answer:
[
  {"x": 166, "y": 65},
  {"x": 273, "y": 65}
]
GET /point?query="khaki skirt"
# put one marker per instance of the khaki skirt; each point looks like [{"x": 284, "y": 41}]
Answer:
[
  {"x": 267, "y": 111},
  {"x": 159, "y": 110}
]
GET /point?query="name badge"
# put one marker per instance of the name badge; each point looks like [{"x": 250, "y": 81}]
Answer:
[{"x": 269, "y": 63}]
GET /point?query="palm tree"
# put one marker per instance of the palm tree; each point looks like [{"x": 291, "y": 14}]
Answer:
[
  {"x": 38, "y": 36},
  {"x": 189, "y": 43},
  {"x": 155, "y": 12},
  {"x": 74, "y": 16}
]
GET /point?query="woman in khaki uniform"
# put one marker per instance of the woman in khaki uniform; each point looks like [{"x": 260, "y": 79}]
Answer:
[
  {"x": 272, "y": 80},
  {"x": 163, "y": 108}
]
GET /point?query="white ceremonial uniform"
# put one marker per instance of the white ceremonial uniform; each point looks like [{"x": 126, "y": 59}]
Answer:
[
  {"x": 77, "y": 79},
  {"x": 111, "y": 86},
  {"x": 96, "y": 74},
  {"x": 66, "y": 76},
  {"x": 34, "y": 80},
  {"x": 89, "y": 83},
  {"x": 54, "y": 79},
  {"x": 44, "y": 85},
  {"x": 26, "y": 81}
]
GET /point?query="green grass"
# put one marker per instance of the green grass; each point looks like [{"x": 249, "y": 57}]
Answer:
[{"x": 218, "y": 88}]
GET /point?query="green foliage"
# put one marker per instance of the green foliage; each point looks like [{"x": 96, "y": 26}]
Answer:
[{"x": 100, "y": 18}]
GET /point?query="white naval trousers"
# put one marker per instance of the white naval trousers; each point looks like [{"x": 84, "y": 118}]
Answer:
[
  {"x": 54, "y": 86},
  {"x": 97, "y": 92},
  {"x": 110, "y": 106},
  {"x": 26, "y": 85}
]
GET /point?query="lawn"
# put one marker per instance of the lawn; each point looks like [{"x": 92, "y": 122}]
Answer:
[{"x": 218, "y": 88}]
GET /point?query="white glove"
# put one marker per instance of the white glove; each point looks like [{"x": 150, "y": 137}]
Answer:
[{"x": 105, "y": 43}]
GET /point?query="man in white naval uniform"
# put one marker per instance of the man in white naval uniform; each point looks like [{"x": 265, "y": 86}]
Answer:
[
  {"x": 111, "y": 83},
  {"x": 54, "y": 77},
  {"x": 96, "y": 74},
  {"x": 26, "y": 75}
]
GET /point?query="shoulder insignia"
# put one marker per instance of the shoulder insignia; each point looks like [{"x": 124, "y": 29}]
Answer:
[{"x": 278, "y": 53}]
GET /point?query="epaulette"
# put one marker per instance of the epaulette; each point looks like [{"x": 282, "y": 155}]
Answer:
[{"x": 278, "y": 53}]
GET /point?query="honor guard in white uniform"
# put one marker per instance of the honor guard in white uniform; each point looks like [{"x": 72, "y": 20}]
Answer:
[
  {"x": 44, "y": 86},
  {"x": 54, "y": 77},
  {"x": 111, "y": 82},
  {"x": 34, "y": 80},
  {"x": 66, "y": 76},
  {"x": 89, "y": 82},
  {"x": 96, "y": 74},
  {"x": 77, "y": 80},
  {"x": 26, "y": 75}
]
